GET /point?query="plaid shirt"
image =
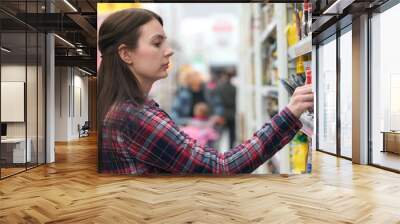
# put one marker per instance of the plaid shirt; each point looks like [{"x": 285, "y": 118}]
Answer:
[{"x": 147, "y": 141}]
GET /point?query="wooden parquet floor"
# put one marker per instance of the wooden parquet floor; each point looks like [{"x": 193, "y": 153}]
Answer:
[{"x": 71, "y": 191}]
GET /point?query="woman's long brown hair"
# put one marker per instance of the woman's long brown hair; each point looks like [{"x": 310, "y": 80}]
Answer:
[{"x": 116, "y": 82}]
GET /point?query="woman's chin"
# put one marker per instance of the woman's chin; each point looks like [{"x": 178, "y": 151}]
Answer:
[{"x": 163, "y": 75}]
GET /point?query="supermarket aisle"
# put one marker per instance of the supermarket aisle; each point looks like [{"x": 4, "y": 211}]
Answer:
[{"x": 211, "y": 48}]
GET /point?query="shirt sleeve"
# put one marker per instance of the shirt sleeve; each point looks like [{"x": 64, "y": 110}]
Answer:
[{"x": 154, "y": 139}]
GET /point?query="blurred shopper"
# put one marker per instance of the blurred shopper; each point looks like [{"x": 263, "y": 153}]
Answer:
[
  {"x": 137, "y": 137},
  {"x": 192, "y": 92},
  {"x": 201, "y": 127},
  {"x": 227, "y": 92}
]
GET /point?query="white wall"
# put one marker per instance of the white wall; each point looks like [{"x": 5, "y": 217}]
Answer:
[
  {"x": 61, "y": 103},
  {"x": 80, "y": 83},
  {"x": 12, "y": 73},
  {"x": 33, "y": 127},
  {"x": 67, "y": 115}
]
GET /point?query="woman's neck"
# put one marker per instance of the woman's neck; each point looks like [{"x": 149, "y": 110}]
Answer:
[
  {"x": 146, "y": 88},
  {"x": 145, "y": 85}
]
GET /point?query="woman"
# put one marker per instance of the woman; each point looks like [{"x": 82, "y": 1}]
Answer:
[{"x": 137, "y": 137}]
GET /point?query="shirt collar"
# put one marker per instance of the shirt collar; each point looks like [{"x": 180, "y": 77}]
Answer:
[{"x": 151, "y": 102}]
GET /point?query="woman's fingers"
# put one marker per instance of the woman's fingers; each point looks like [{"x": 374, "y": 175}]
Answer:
[
  {"x": 306, "y": 97},
  {"x": 302, "y": 100},
  {"x": 303, "y": 89},
  {"x": 309, "y": 105}
]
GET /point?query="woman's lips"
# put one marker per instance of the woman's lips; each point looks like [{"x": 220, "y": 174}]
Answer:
[{"x": 165, "y": 66}]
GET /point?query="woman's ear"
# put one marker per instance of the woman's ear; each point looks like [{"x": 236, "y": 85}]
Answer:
[{"x": 125, "y": 54}]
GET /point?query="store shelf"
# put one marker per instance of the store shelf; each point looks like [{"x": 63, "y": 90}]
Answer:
[
  {"x": 268, "y": 31},
  {"x": 250, "y": 52},
  {"x": 301, "y": 48},
  {"x": 249, "y": 88},
  {"x": 320, "y": 23},
  {"x": 338, "y": 6},
  {"x": 270, "y": 60},
  {"x": 266, "y": 6}
]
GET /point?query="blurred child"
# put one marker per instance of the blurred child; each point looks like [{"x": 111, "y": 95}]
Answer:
[{"x": 201, "y": 127}]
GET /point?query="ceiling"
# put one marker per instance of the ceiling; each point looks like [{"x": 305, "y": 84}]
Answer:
[{"x": 76, "y": 26}]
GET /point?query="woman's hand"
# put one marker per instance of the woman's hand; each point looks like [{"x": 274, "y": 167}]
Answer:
[{"x": 302, "y": 100}]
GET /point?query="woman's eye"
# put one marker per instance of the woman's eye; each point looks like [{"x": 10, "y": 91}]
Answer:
[{"x": 157, "y": 44}]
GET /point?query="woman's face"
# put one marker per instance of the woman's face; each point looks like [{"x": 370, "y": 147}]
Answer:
[{"x": 150, "y": 60}]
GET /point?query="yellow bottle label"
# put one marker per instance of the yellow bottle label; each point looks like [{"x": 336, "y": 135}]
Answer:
[{"x": 299, "y": 158}]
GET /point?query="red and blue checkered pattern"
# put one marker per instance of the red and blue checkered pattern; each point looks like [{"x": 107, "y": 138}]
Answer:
[{"x": 147, "y": 141}]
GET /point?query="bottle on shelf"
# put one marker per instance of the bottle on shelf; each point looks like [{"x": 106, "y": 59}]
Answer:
[
  {"x": 307, "y": 19},
  {"x": 308, "y": 73},
  {"x": 291, "y": 32},
  {"x": 309, "y": 156},
  {"x": 299, "y": 15},
  {"x": 299, "y": 154}
]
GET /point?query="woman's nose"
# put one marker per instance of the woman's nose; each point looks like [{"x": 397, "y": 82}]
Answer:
[{"x": 169, "y": 52}]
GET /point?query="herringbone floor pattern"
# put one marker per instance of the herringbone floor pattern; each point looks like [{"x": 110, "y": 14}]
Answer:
[{"x": 70, "y": 191}]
